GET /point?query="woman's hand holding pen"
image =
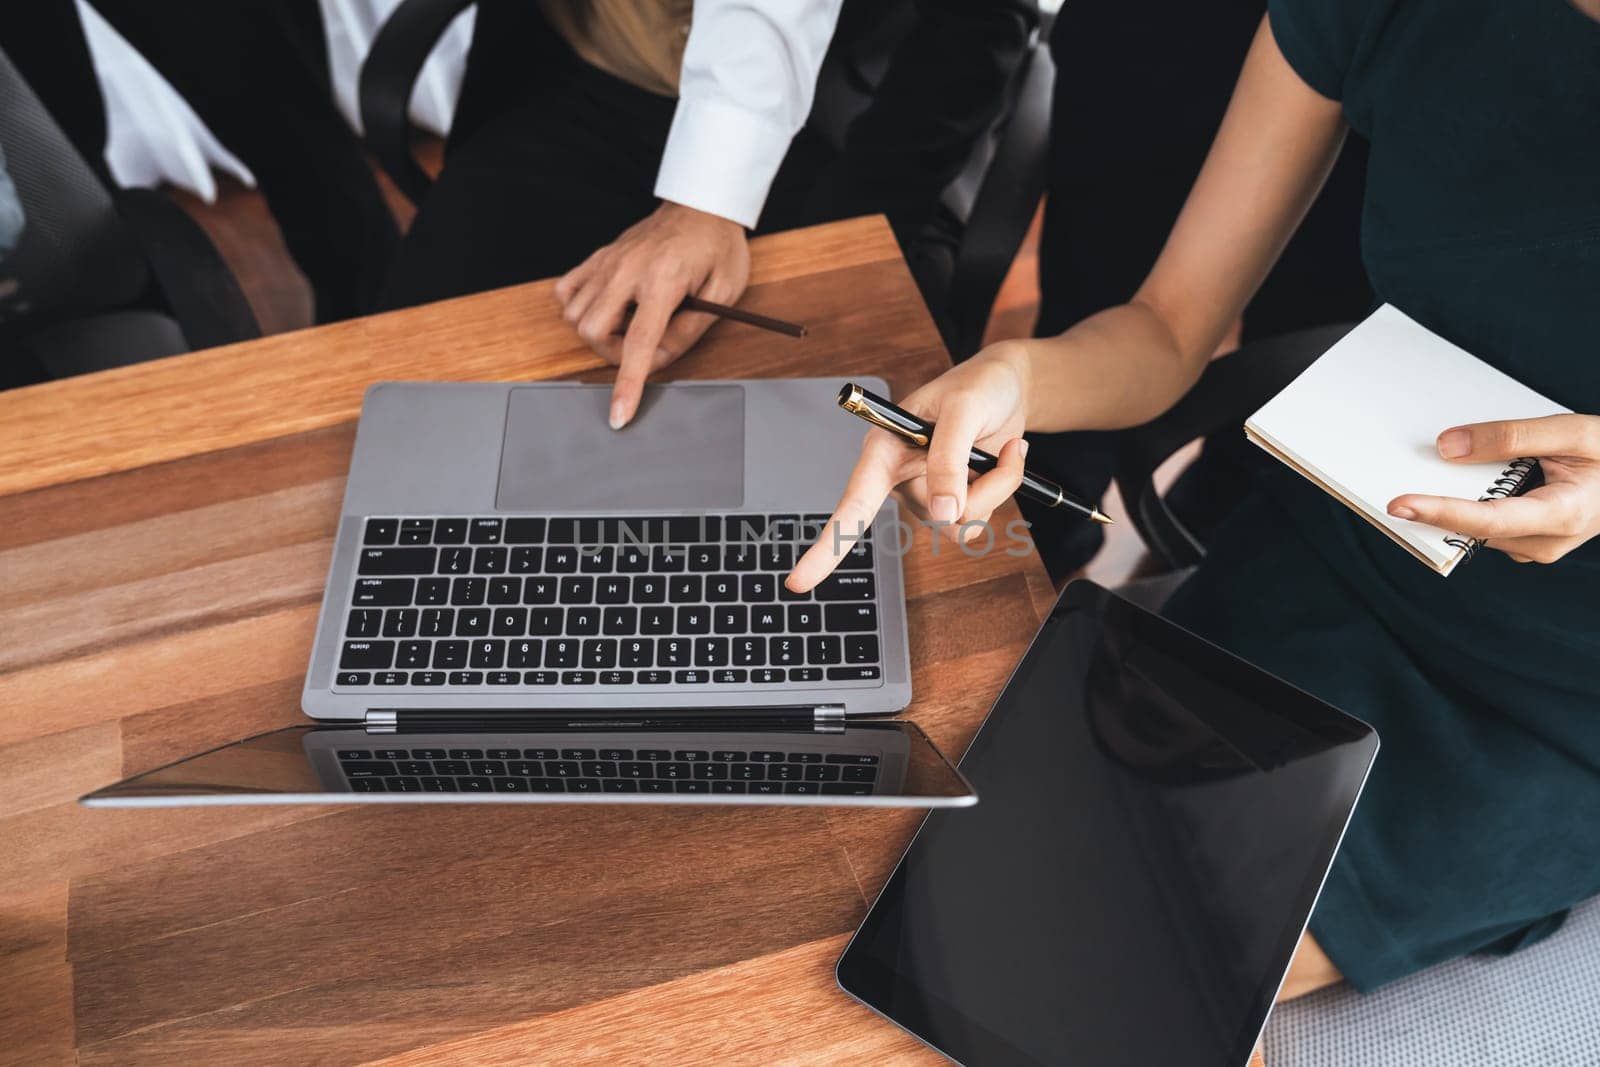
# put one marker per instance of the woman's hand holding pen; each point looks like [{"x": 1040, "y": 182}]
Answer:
[
  {"x": 1542, "y": 525},
  {"x": 984, "y": 402}
]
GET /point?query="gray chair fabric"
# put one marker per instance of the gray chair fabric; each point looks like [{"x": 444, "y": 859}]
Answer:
[{"x": 1536, "y": 1008}]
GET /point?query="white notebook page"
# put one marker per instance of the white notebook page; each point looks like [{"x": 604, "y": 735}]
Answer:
[{"x": 1364, "y": 418}]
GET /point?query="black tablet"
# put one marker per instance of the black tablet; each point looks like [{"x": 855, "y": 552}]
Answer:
[{"x": 1156, "y": 823}]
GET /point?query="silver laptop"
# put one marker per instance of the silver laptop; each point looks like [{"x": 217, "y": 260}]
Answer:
[{"x": 507, "y": 561}]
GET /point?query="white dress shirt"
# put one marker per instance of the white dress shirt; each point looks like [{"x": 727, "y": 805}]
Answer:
[{"x": 749, "y": 73}]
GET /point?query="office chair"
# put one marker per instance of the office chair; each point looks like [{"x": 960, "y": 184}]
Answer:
[
  {"x": 100, "y": 278},
  {"x": 991, "y": 201}
]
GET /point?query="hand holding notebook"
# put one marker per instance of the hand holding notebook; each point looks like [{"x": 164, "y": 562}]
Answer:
[{"x": 1366, "y": 423}]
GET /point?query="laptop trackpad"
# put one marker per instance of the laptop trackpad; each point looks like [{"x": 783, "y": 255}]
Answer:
[{"x": 684, "y": 450}]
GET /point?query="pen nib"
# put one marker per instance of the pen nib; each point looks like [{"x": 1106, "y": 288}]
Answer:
[{"x": 1102, "y": 518}]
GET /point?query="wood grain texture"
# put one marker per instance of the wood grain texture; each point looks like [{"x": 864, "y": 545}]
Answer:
[{"x": 164, "y": 535}]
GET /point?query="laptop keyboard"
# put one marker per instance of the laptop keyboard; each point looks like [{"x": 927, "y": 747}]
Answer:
[
  {"x": 607, "y": 770},
  {"x": 532, "y": 602}
]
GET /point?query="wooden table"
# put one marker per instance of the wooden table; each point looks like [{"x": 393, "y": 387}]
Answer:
[{"x": 164, "y": 535}]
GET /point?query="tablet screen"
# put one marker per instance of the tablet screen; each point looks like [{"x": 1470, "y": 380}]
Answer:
[{"x": 1156, "y": 822}]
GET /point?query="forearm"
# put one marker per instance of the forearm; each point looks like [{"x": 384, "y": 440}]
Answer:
[{"x": 1119, "y": 368}]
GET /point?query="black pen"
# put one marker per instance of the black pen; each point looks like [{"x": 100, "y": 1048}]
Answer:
[{"x": 906, "y": 426}]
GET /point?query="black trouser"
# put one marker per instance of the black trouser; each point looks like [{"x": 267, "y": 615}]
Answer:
[
  {"x": 255, "y": 71},
  {"x": 550, "y": 159},
  {"x": 1140, "y": 91}
]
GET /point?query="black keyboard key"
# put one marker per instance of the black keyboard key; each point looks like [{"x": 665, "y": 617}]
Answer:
[
  {"x": 846, "y": 789},
  {"x": 687, "y": 529},
  {"x": 711, "y": 652},
  {"x": 846, "y": 618},
  {"x": 748, "y": 772},
  {"x": 599, "y": 768},
  {"x": 389, "y": 678},
  {"x": 620, "y": 622},
  {"x": 745, "y": 528},
  {"x": 352, "y": 678},
  {"x": 367, "y": 785},
  {"x": 654, "y": 677},
  {"x": 416, "y": 531},
  {"x": 757, "y": 588},
  {"x": 490, "y": 560},
  {"x": 489, "y": 655},
  {"x": 722, "y": 588},
  {"x": 620, "y": 785},
  {"x": 655, "y": 786},
  {"x": 655, "y": 621},
  {"x": 694, "y": 620},
  {"x": 633, "y": 559},
  {"x": 784, "y": 772},
  {"x": 694, "y": 677},
  {"x": 450, "y": 531},
  {"x": 600, "y": 653},
  {"x": 381, "y": 531},
  {"x": 649, "y": 589},
  {"x": 541, "y": 753},
  {"x": 485, "y": 532},
  {"x": 803, "y": 788},
  {"x": 413, "y": 655},
  {"x": 853, "y": 674},
  {"x": 475, "y": 785},
  {"x": 510, "y": 622},
  {"x": 764, "y": 788},
  {"x": 561, "y": 653},
  {"x": 766, "y": 757},
  {"x": 613, "y": 590},
  {"x": 805, "y": 757},
  {"x": 525, "y": 560},
  {"x": 561, "y": 769},
  {"x": 504, "y": 677},
  {"x": 465, "y": 678},
  {"x": 731, "y": 619},
  {"x": 467, "y": 592},
  {"x": 727, "y": 756},
  {"x": 367, "y": 768},
  {"x": 805, "y": 674},
  {"x": 663, "y": 560},
  {"x": 364, "y": 622},
  {"x": 822, "y": 773},
  {"x": 544, "y": 622},
  {"x": 449, "y": 655},
  {"x": 804, "y": 618},
  {"x": 860, "y": 648},
  {"x": 859, "y": 558},
  {"x": 522, "y": 654},
  {"x": 455, "y": 560},
  {"x": 488, "y": 768},
  {"x": 616, "y": 677},
  {"x": 766, "y": 619},
  {"x": 730, "y": 676},
  {"x": 784, "y": 651},
  {"x": 673, "y": 652},
  {"x": 403, "y": 785},
  {"x": 505, "y": 590},
  {"x": 740, "y": 558},
  {"x": 777, "y": 557},
  {"x": 562, "y": 532},
  {"x": 431, "y": 592},
  {"x": 561, "y": 559},
  {"x": 397, "y": 560},
  {"x": 710, "y": 771},
  {"x": 767, "y": 675},
  {"x": 866, "y": 759},
  {"x": 727, "y": 787},
  {"x": 691, "y": 787},
  {"x": 472, "y": 622},
  {"x": 583, "y": 622},
  {"x": 540, "y": 678},
  {"x": 522, "y": 768},
  {"x": 540, "y": 590},
  {"x": 511, "y": 785},
  {"x": 847, "y": 587},
  {"x": 383, "y": 592},
  {"x": 703, "y": 558},
  {"x": 860, "y": 774},
  {"x": 366, "y": 655},
  {"x": 466, "y": 753},
  {"x": 437, "y": 622},
  {"x": 523, "y": 531},
  {"x": 577, "y": 678},
  {"x": 637, "y": 653},
  {"x": 823, "y": 649},
  {"x": 596, "y": 560},
  {"x": 684, "y": 589},
  {"x": 400, "y": 622},
  {"x": 749, "y": 651},
  {"x": 577, "y": 590}
]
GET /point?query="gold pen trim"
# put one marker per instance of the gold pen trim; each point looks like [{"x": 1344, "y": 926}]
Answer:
[{"x": 856, "y": 404}]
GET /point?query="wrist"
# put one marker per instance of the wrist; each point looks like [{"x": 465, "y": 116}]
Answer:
[
  {"x": 671, "y": 209},
  {"x": 1013, "y": 358}
]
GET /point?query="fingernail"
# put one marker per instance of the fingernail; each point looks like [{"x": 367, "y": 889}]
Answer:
[
  {"x": 1022, "y": 449},
  {"x": 1453, "y": 443},
  {"x": 1400, "y": 511},
  {"x": 942, "y": 508},
  {"x": 619, "y": 415}
]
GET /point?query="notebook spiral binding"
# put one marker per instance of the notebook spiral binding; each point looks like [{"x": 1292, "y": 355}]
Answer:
[{"x": 1512, "y": 480}]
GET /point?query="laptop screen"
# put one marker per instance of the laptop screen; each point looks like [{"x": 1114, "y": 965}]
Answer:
[
  {"x": 1157, "y": 819},
  {"x": 873, "y": 764}
]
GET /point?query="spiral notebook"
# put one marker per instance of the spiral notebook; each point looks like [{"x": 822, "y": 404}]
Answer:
[{"x": 1362, "y": 420}]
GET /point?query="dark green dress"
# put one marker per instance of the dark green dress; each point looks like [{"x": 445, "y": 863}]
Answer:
[{"x": 1480, "y": 825}]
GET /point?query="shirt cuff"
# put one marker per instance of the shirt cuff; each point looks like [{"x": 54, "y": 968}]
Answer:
[{"x": 721, "y": 159}]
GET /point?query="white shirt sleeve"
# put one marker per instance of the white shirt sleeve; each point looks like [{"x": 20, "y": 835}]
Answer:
[{"x": 749, "y": 73}]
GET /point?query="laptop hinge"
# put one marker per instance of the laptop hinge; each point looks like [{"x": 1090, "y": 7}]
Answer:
[
  {"x": 381, "y": 722},
  {"x": 828, "y": 718}
]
